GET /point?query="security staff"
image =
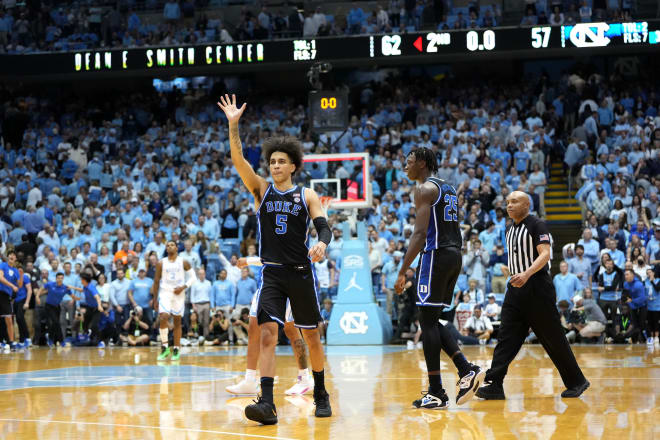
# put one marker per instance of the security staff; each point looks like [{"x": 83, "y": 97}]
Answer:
[{"x": 530, "y": 302}]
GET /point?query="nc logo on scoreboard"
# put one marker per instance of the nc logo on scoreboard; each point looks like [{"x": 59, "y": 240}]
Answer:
[
  {"x": 589, "y": 35},
  {"x": 353, "y": 262},
  {"x": 354, "y": 323}
]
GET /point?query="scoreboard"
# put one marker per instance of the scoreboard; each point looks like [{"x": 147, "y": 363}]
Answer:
[{"x": 436, "y": 46}]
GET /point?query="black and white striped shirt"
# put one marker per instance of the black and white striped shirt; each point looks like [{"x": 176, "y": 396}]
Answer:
[{"x": 522, "y": 240}]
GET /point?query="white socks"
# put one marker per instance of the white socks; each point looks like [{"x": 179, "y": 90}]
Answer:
[
  {"x": 304, "y": 374},
  {"x": 163, "y": 336},
  {"x": 251, "y": 375}
]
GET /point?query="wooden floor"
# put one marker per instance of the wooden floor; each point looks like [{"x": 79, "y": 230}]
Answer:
[{"x": 121, "y": 393}]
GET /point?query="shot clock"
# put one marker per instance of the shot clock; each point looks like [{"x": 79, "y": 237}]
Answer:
[{"x": 328, "y": 110}]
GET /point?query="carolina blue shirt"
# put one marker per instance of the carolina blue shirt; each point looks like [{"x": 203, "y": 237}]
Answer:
[
  {"x": 56, "y": 293},
  {"x": 637, "y": 293},
  {"x": 142, "y": 291},
  {"x": 200, "y": 292},
  {"x": 591, "y": 250},
  {"x": 90, "y": 291},
  {"x": 521, "y": 159},
  {"x": 653, "y": 296},
  {"x": 223, "y": 293},
  {"x": 21, "y": 295},
  {"x": 566, "y": 286},
  {"x": 576, "y": 266},
  {"x": 609, "y": 294},
  {"x": 119, "y": 292},
  {"x": 391, "y": 271},
  {"x": 11, "y": 275},
  {"x": 618, "y": 257},
  {"x": 245, "y": 289}
]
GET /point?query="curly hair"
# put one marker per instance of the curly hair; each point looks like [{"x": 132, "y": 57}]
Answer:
[
  {"x": 426, "y": 155},
  {"x": 289, "y": 145}
]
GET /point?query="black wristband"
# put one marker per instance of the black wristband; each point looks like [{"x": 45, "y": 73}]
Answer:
[{"x": 322, "y": 228}]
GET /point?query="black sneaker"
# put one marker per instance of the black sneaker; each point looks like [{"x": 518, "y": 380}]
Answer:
[
  {"x": 322, "y": 402},
  {"x": 576, "y": 391},
  {"x": 262, "y": 412},
  {"x": 432, "y": 401},
  {"x": 492, "y": 391},
  {"x": 468, "y": 384}
]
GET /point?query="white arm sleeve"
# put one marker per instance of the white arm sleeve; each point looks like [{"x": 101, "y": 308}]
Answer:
[{"x": 192, "y": 278}]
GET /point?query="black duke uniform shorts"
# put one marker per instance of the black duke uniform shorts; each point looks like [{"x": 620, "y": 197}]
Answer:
[
  {"x": 296, "y": 283},
  {"x": 437, "y": 273}
]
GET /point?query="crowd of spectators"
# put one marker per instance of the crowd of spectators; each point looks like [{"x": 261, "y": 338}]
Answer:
[
  {"x": 613, "y": 158},
  {"x": 98, "y": 186},
  {"x": 40, "y": 27},
  {"x": 568, "y": 12}
]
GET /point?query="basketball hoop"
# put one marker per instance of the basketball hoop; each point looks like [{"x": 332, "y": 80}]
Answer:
[{"x": 325, "y": 202}]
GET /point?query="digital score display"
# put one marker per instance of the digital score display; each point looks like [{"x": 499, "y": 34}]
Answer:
[
  {"x": 442, "y": 45},
  {"x": 328, "y": 110}
]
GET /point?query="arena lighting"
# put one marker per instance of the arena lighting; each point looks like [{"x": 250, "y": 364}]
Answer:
[{"x": 434, "y": 46}]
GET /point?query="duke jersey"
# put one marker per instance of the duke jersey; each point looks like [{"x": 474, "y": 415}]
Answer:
[
  {"x": 283, "y": 222},
  {"x": 443, "y": 230},
  {"x": 172, "y": 273}
]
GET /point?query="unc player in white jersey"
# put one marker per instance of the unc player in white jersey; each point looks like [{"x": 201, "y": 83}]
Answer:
[
  {"x": 169, "y": 290},
  {"x": 249, "y": 385}
]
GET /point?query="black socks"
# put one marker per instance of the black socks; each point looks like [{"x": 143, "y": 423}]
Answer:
[
  {"x": 319, "y": 381},
  {"x": 267, "y": 389}
]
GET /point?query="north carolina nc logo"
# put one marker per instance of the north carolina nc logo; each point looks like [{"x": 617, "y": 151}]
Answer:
[{"x": 354, "y": 323}]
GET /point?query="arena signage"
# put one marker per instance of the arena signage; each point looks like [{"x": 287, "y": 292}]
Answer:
[{"x": 436, "y": 46}]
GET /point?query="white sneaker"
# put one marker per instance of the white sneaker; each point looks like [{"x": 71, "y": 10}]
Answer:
[
  {"x": 302, "y": 386},
  {"x": 410, "y": 345},
  {"x": 420, "y": 345},
  {"x": 244, "y": 387},
  {"x": 7, "y": 349}
]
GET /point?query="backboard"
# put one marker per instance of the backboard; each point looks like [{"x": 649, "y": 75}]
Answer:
[{"x": 343, "y": 176}]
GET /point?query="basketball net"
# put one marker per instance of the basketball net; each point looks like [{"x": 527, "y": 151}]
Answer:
[{"x": 325, "y": 203}]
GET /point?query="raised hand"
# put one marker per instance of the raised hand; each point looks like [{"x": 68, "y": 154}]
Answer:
[{"x": 228, "y": 105}]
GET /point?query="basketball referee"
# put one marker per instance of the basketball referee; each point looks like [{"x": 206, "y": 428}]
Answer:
[{"x": 530, "y": 302}]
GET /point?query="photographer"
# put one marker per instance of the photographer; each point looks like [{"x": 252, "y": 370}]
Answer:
[
  {"x": 594, "y": 319},
  {"x": 138, "y": 330},
  {"x": 241, "y": 326},
  {"x": 478, "y": 326},
  {"x": 218, "y": 331},
  {"x": 93, "y": 309}
]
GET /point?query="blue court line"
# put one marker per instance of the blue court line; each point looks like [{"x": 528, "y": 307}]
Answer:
[{"x": 121, "y": 375}]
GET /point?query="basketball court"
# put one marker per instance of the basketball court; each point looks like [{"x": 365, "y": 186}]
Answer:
[{"x": 123, "y": 393}]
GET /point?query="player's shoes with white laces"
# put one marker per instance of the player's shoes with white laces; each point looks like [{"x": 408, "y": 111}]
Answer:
[
  {"x": 302, "y": 386},
  {"x": 468, "y": 384},
  {"x": 432, "y": 401}
]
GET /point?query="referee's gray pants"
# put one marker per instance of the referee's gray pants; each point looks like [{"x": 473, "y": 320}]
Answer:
[{"x": 533, "y": 305}]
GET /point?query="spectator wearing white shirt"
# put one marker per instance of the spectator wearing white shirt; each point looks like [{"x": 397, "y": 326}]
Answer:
[
  {"x": 233, "y": 271},
  {"x": 191, "y": 255},
  {"x": 478, "y": 326},
  {"x": 492, "y": 309}
]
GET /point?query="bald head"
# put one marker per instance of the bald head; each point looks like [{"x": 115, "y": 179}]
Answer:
[{"x": 517, "y": 205}]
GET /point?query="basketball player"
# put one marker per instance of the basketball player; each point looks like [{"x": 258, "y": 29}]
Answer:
[
  {"x": 249, "y": 384},
  {"x": 438, "y": 238},
  {"x": 283, "y": 213},
  {"x": 169, "y": 290}
]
